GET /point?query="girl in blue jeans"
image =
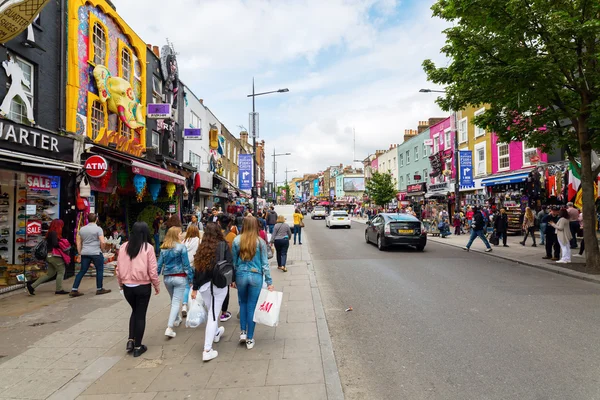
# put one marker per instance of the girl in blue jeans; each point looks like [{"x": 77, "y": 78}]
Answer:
[
  {"x": 251, "y": 264},
  {"x": 179, "y": 275}
]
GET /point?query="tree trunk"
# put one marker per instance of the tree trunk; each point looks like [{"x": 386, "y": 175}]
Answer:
[{"x": 592, "y": 253}]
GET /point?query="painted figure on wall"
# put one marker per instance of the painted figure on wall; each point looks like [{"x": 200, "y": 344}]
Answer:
[
  {"x": 117, "y": 93},
  {"x": 13, "y": 70},
  {"x": 213, "y": 137},
  {"x": 168, "y": 61}
]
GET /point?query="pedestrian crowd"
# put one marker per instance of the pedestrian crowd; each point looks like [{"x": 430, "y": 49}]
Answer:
[{"x": 217, "y": 252}]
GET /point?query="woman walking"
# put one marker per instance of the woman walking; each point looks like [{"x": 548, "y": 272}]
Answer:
[
  {"x": 175, "y": 265},
  {"x": 136, "y": 273},
  {"x": 191, "y": 242},
  {"x": 251, "y": 265},
  {"x": 563, "y": 232},
  {"x": 298, "y": 217},
  {"x": 210, "y": 252},
  {"x": 281, "y": 239},
  {"x": 529, "y": 226},
  {"x": 56, "y": 263}
]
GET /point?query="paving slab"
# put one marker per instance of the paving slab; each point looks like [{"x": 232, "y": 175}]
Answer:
[
  {"x": 263, "y": 350},
  {"x": 241, "y": 374},
  {"x": 295, "y": 371},
  {"x": 204, "y": 394},
  {"x": 38, "y": 386},
  {"x": 256, "y": 393},
  {"x": 301, "y": 348},
  {"x": 302, "y": 392},
  {"x": 183, "y": 377},
  {"x": 132, "y": 396},
  {"x": 121, "y": 381},
  {"x": 296, "y": 330}
]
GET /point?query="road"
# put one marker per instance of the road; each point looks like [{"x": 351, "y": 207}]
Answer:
[{"x": 446, "y": 324}]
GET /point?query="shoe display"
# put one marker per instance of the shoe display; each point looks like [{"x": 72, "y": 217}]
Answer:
[
  {"x": 4, "y": 196},
  {"x": 20, "y": 240},
  {"x": 3, "y": 248},
  {"x": 20, "y": 232},
  {"x": 22, "y": 201},
  {"x": 22, "y": 216},
  {"x": 3, "y": 241},
  {"x": 22, "y": 224},
  {"x": 22, "y": 208},
  {"x": 5, "y": 231},
  {"x": 24, "y": 248}
]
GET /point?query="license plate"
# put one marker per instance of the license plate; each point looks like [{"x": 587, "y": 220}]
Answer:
[
  {"x": 340, "y": 219},
  {"x": 406, "y": 231}
]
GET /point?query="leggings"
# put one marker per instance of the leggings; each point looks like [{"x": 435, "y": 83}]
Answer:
[
  {"x": 530, "y": 231},
  {"x": 138, "y": 298},
  {"x": 225, "y": 305}
]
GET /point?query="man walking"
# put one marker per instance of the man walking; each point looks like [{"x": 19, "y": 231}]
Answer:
[
  {"x": 477, "y": 231},
  {"x": 573, "y": 223},
  {"x": 501, "y": 225},
  {"x": 551, "y": 238},
  {"x": 271, "y": 219},
  {"x": 90, "y": 240}
]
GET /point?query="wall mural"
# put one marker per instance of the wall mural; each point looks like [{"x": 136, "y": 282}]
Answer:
[
  {"x": 14, "y": 72},
  {"x": 170, "y": 70}
]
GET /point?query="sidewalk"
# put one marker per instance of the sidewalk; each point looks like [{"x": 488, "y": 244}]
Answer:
[
  {"x": 526, "y": 255},
  {"x": 87, "y": 361}
]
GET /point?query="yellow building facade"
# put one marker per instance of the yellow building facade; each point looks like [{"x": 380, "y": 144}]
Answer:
[
  {"x": 470, "y": 137},
  {"x": 106, "y": 85}
]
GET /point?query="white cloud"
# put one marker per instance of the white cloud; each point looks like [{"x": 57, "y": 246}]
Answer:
[{"x": 344, "y": 67}]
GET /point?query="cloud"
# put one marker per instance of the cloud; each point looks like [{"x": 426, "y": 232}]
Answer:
[{"x": 349, "y": 64}]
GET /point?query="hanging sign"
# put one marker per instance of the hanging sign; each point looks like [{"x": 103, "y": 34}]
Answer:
[
  {"x": 16, "y": 15},
  {"x": 159, "y": 110},
  {"x": 245, "y": 168},
  {"x": 34, "y": 228},
  {"x": 466, "y": 168},
  {"x": 96, "y": 166},
  {"x": 192, "y": 133}
]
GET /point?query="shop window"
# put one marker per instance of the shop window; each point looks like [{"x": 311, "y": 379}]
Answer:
[
  {"x": 99, "y": 44},
  {"x": 479, "y": 131},
  {"x": 98, "y": 118},
  {"x": 156, "y": 140},
  {"x": 416, "y": 153},
  {"x": 503, "y": 157},
  {"x": 126, "y": 64},
  {"x": 480, "y": 161},
  {"x": 528, "y": 152},
  {"x": 463, "y": 133},
  {"x": 18, "y": 107}
]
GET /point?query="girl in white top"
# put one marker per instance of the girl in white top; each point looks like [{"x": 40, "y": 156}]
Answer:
[{"x": 191, "y": 242}]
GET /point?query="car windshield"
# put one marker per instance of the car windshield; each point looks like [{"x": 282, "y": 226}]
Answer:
[
  {"x": 400, "y": 217},
  {"x": 339, "y": 214},
  {"x": 319, "y": 208}
]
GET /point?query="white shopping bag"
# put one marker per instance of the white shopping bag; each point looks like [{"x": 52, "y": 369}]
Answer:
[
  {"x": 268, "y": 307},
  {"x": 196, "y": 315}
]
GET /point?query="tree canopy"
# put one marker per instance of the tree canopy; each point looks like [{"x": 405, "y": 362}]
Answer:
[{"x": 381, "y": 188}]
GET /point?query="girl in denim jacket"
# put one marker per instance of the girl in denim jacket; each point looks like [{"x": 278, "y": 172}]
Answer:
[{"x": 179, "y": 275}]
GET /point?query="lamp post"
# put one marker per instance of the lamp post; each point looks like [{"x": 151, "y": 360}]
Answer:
[
  {"x": 456, "y": 153},
  {"x": 253, "y": 95},
  {"x": 274, "y": 181}
]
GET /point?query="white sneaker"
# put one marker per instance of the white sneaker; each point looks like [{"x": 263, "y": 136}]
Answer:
[
  {"x": 170, "y": 333},
  {"x": 219, "y": 334},
  {"x": 184, "y": 311},
  {"x": 243, "y": 337},
  {"x": 250, "y": 344},
  {"x": 562, "y": 262},
  {"x": 209, "y": 355},
  {"x": 178, "y": 321}
]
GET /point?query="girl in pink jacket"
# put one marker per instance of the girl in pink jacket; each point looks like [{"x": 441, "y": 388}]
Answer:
[{"x": 136, "y": 273}]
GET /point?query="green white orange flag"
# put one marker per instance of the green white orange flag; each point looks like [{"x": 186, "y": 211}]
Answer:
[{"x": 574, "y": 182}]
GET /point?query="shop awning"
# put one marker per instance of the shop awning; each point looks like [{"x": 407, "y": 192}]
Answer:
[
  {"x": 30, "y": 160},
  {"x": 151, "y": 171},
  {"x": 504, "y": 179}
]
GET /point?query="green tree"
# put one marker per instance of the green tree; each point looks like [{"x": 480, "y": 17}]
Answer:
[
  {"x": 536, "y": 64},
  {"x": 381, "y": 188}
]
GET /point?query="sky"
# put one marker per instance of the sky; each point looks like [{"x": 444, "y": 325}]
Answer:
[{"x": 350, "y": 66}]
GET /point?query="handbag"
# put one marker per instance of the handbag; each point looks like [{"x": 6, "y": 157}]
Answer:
[
  {"x": 196, "y": 315},
  {"x": 494, "y": 239},
  {"x": 267, "y": 308},
  {"x": 301, "y": 223}
]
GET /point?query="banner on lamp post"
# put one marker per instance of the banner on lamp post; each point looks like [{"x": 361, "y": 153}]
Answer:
[
  {"x": 245, "y": 168},
  {"x": 466, "y": 168}
]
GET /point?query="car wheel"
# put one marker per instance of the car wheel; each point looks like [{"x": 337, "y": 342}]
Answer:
[
  {"x": 380, "y": 245},
  {"x": 420, "y": 247},
  {"x": 349, "y": 227},
  {"x": 367, "y": 237}
]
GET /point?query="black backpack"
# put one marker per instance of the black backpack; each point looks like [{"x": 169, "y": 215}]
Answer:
[
  {"x": 40, "y": 251},
  {"x": 223, "y": 272}
]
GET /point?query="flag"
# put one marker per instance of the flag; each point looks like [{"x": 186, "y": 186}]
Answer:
[
  {"x": 574, "y": 182},
  {"x": 579, "y": 197}
]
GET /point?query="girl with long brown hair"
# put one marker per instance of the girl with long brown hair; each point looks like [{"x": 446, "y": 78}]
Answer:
[
  {"x": 529, "y": 226},
  {"x": 56, "y": 264},
  {"x": 212, "y": 248},
  {"x": 251, "y": 266}
]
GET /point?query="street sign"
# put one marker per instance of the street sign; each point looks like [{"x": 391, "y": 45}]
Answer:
[
  {"x": 466, "y": 168},
  {"x": 245, "y": 174}
]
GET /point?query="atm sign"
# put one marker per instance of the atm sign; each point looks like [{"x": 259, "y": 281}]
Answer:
[{"x": 96, "y": 166}]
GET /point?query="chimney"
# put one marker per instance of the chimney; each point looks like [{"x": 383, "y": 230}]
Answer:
[
  {"x": 409, "y": 134},
  {"x": 202, "y": 102},
  {"x": 156, "y": 51},
  {"x": 243, "y": 135},
  {"x": 435, "y": 120},
  {"x": 423, "y": 125},
  {"x": 149, "y": 46}
]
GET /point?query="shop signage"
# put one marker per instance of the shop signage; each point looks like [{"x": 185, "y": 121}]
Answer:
[
  {"x": 418, "y": 187},
  {"x": 21, "y": 138},
  {"x": 34, "y": 228},
  {"x": 439, "y": 187},
  {"x": 466, "y": 168},
  {"x": 96, "y": 166},
  {"x": 30, "y": 209},
  {"x": 436, "y": 165},
  {"x": 245, "y": 168},
  {"x": 172, "y": 208},
  {"x": 123, "y": 143},
  {"x": 37, "y": 182},
  {"x": 159, "y": 110},
  {"x": 17, "y": 15},
  {"x": 428, "y": 142},
  {"x": 192, "y": 133}
]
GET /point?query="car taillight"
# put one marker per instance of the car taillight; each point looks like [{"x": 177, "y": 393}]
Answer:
[
  {"x": 388, "y": 230},
  {"x": 423, "y": 230}
]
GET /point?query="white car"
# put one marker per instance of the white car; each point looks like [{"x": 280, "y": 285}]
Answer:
[
  {"x": 319, "y": 212},
  {"x": 338, "y": 218}
]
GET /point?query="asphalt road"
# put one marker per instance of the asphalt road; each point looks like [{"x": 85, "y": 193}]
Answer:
[{"x": 446, "y": 324}]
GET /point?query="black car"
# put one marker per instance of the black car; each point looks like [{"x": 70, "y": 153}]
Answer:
[{"x": 389, "y": 229}]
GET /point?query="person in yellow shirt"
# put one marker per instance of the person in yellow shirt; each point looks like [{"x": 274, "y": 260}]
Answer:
[{"x": 298, "y": 217}]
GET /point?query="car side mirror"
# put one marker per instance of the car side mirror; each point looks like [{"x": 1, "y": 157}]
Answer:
[{"x": 368, "y": 223}]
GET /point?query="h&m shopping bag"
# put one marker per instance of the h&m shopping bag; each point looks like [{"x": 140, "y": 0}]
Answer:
[{"x": 268, "y": 307}]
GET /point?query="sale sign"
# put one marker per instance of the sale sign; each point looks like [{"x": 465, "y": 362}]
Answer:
[
  {"x": 37, "y": 182},
  {"x": 96, "y": 166},
  {"x": 34, "y": 228}
]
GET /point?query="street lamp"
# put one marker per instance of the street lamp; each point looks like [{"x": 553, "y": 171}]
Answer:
[
  {"x": 253, "y": 95},
  {"x": 277, "y": 155},
  {"x": 456, "y": 165}
]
